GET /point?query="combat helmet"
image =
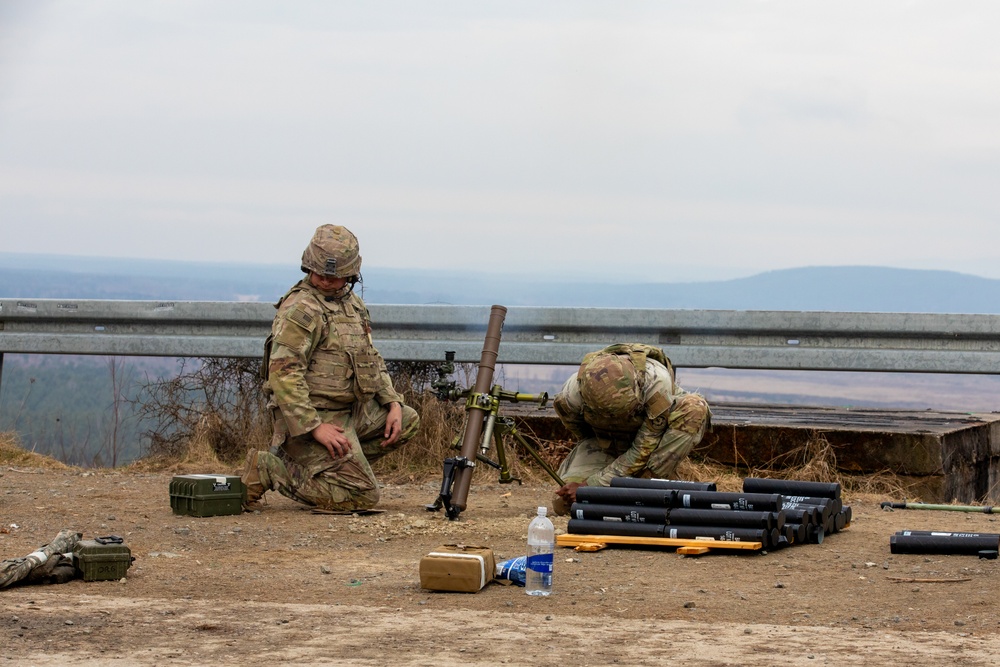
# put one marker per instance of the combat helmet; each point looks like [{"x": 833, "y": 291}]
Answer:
[
  {"x": 609, "y": 385},
  {"x": 333, "y": 251}
]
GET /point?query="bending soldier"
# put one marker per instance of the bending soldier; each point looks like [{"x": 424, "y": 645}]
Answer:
[
  {"x": 332, "y": 402},
  {"x": 629, "y": 417}
]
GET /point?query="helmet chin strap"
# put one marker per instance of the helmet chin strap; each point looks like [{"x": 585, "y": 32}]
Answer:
[{"x": 338, "y": 294}]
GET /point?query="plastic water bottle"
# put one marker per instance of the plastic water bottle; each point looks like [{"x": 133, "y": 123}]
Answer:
[{"x": 541, "y": 545}]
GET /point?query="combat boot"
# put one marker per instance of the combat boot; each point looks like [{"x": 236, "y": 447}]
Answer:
[{"x": 253, "y": 499}]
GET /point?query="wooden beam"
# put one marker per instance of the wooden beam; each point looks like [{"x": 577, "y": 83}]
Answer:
[{"x": 570, "y": 540}]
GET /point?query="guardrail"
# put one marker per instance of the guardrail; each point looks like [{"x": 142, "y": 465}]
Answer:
[{"x": 906, "y": 342}]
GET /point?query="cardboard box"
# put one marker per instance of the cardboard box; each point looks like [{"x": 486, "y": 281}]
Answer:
[{"x": 459, "y": 568}]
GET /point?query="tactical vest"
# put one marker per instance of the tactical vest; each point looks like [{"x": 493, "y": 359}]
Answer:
[
  {"x": 617, "y": 427},
  {"x": 344, "y": 366}
]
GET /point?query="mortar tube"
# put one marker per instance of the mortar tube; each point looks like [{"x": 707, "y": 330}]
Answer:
[
  {"x": 790, "y": 487},
  {"x": 653, "y": 483},
  {"x": 474, "y": 424}
]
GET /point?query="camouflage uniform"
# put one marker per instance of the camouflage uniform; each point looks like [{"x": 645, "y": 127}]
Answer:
[
  {"x": 323, "y": 368},
  {"x": 650, "y": 440}
]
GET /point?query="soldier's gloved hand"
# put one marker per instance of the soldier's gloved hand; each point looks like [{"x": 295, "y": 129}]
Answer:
[
  {"x": 332, "y": 437},
  {"x": 393, "y": 424}
]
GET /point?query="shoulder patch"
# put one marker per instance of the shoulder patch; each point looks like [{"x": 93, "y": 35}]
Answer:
[
  {"x": 302, "y": 317},
  {"x": 658, "y": 406}
]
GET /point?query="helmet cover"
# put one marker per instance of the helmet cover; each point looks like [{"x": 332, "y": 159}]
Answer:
[
  {"x": 609, "y": 385},
  {"x": 333, "y": 251}
]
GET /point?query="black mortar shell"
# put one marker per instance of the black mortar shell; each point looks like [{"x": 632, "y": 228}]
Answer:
[
  {"x": 608, "y": 495},
  {"x": 791, "y": 487},
  {"x": 800, "y": 532},
  {"x": 945, "y": 533},
  {"x": 848, "y": 514},
  {"x": 941, "y": 544},
  {"x": 754, "y": 502},
  {"x": 822, "y": 510},
  {"x": 833, "y": 504},
  {"x": 675, "y": 516},
  {"x": 815, "y": 534},
  {"x": 639, "y": 483},
  {"x": 805, "y": 515},
  {"x": 584, "y": 527}
]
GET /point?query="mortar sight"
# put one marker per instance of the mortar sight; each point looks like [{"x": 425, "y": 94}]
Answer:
[{"x": 444, "y": 388}]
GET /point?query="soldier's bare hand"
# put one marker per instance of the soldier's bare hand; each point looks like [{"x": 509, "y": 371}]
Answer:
[
  {"x": 568, "y": 492},
  {"x": 393, "y": 424},
  {"x": 332, "y": 437}
]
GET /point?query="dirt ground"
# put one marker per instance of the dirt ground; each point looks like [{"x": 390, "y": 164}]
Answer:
[{"x": 285, "y": 586}]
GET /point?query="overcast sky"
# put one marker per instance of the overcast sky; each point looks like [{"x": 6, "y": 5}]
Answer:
[{"x": 654, "y": 140}]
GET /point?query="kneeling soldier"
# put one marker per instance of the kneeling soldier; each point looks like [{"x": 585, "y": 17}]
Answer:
[{"x": 629, "y": 417}]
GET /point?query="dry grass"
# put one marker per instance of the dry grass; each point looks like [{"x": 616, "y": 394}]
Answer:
[
  {"x": 815, "y": 461},
  {"x": 442, "y": 426},
  {"x": 198, "y": 454},
  {"x": 215, "y": 431},
  {"x": 11, "y": 453},
  {"x": 423, "y": 456}
]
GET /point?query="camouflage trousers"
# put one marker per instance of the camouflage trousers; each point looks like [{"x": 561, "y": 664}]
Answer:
[
  {"x": 301, "y": 468},
  {"x": 686, "y": 426}
]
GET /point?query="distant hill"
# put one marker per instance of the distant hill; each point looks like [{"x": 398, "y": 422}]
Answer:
[{"x": 837, "y": 288}]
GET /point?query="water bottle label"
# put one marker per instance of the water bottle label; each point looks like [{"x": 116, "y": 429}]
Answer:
[
  {"x": 512, "y": 570},
  {"x": 540, "y": 563}
]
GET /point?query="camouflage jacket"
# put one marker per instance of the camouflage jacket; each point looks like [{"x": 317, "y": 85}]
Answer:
[
  {"x": 320, "y": 357},
  {"x": 631, "y": 441}
]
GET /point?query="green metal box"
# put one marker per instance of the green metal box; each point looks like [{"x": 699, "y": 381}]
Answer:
[
  {"x": 101, "y": 562},
  {"x": 206, "y": 495}
]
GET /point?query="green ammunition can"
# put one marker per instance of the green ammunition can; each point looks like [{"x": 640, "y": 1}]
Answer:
[
  {"x": 206, "y": 495},
  {"x": 101, "y": 562}
]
